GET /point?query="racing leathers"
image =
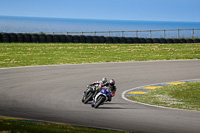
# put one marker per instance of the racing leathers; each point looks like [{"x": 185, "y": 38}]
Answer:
[
  {"x": 99, "y": 85},
  {"x": 113, "y": 90}
]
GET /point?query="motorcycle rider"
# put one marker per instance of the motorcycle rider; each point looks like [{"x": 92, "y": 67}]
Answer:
[
  {"x": 113, "y": 89},
  {"x": 103, "y": 83},
  {"x": 100, "y": 84},
  {"x": 97, "y": 85}
]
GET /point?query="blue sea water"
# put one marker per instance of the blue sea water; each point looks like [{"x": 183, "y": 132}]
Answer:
[{"x": 11, "y": 24}]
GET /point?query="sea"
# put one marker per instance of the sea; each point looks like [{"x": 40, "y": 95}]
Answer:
[{"x": 125, "y": 28}]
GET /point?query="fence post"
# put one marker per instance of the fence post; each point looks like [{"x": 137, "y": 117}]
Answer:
[
  {"x": 136, "y": 33},
  {"x": 95, "y": 33},
  {"x": 122, "y": 33},
  {"x": 178, "y": 33},
  {"x": 164, "y": 33},
  {"x": 150, "y": 33},
  {"x": 192, "y": 33},
  {"x": 109, "y": 33}
]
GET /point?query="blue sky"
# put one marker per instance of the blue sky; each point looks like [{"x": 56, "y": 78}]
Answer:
[{"x": 148, "y": 10}]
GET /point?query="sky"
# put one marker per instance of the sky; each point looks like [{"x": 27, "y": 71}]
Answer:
[{"x": 147, "y": 10}]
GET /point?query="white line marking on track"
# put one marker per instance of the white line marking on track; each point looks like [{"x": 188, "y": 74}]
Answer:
[{"x": 124, "y": 95}]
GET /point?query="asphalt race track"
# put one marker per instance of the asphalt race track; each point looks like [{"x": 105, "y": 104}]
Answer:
[{"x": 53, "y": 93}]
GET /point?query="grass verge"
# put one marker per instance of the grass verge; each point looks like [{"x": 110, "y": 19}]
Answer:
[
  {"x": 32, "y": 54},
  {"x": 183, "y": 96},
  {"x": 16, "y": 126}
]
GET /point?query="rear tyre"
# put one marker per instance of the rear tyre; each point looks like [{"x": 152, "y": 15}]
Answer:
[
  {"x": 88, "y": 39},
  {"x": 20, "y": 38},
  {"x": 34, "y": 38},
  {"x": 189, "y": 41},
  {"x": 156, "y": 40},
  {"x": 176, "y": 40},
  {"x": 56, "y": 38},
  {"x": 82, "y": 39},
  {"x": 27, "y": 38},
  {"x": 142, "y": 40},
  {"x": 0, "y": 37},
  {"x": 196, "y": 40},
  {"x": 122, "y": 40},
  {"x": 136, "y": 40},
  {"x": 129, "y": 40},
  {"x": 42, "y": 38},
  {"x": 161, "y": 40},
  {"x": 63, "y": 39},
  {"x": 49, "y": 38},
  {"x": 108, "y": 40},
  {"x": 69, "y": 38},
  {"x": 116, "y": 40},
  {"x": 95, "y": 39},
  {"x": 92, "y": 105},
  {"x": 149, "y": 40},
  {"x": 102, "y": 39},
  {"x": 182, "y": 41},
  {"x": 13, "y": 37},
  {"x": 5, "y": 38},
  {"x": 75, "y": 39},
  {"x": 169, "y": 41}
]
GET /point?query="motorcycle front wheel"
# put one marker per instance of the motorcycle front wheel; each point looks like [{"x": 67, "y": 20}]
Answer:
[
  {"x": 100, "y": 100},
  {"x": 88, "y": 97}
]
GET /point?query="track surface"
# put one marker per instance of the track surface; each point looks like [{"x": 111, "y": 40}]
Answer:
[{"x": 53, "y": 93}]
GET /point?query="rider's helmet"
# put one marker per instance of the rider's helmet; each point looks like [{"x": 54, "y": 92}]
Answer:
[
  {"x": 104, "y": 80},
  {"x": 112, "y": 82}
]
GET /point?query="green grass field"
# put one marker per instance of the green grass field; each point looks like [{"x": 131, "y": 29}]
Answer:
[
  {"x": 32, "y": 54},
  {"x": 16, "y": 126},
  {"x": 184, "y": 96}
]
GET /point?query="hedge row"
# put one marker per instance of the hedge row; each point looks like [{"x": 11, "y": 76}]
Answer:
[{"x": 42, "y": 38}]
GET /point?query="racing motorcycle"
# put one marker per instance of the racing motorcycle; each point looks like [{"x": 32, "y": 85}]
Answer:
[
  {"x": 88, "y": 94},
  {"x": 101, "y": 97}
]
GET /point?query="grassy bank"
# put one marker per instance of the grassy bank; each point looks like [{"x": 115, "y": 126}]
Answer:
[
  {"x": 30, "y": 54},
  {"x": 184, "y": 96},
  {"x": 13, "y": 126}
]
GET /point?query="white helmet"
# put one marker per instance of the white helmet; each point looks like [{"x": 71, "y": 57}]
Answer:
[{"x": 104, "y": 80}]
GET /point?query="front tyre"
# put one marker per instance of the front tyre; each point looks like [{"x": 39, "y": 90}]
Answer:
[
  {"x": 84, "y": 97},
  {"x": 100, "y": 100},
  {"x": 88, "y": 97}
]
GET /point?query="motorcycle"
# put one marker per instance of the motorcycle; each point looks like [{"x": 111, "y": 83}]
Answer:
[
  {"x": 88, "y": 94},
  {"x": 101, "y": 97}
]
